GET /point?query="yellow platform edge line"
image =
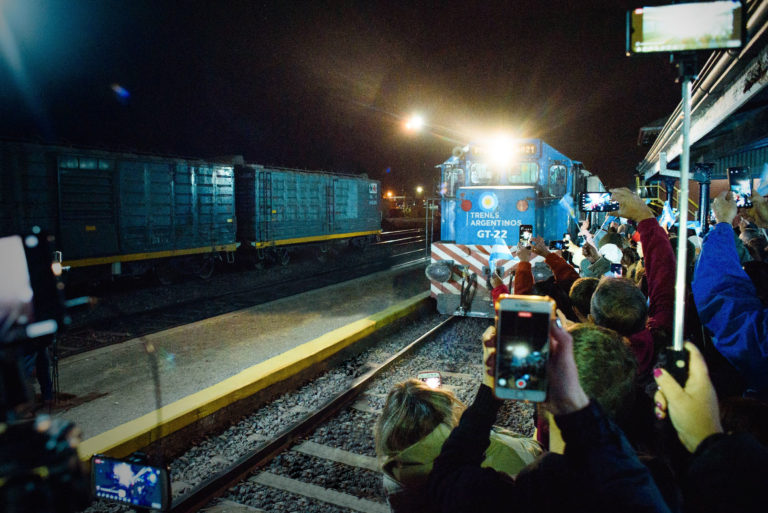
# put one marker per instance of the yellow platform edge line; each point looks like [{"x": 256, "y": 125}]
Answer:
[{"x": 131, "y": 436}]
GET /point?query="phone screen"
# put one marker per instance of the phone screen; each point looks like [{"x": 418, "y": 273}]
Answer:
[
  {"x": 140, "y": 485},
  {"x": 617, "y": 270},
  {"x": 740, "y": 182},
  {"x": 556, "y": 244},
  {"x": 597, "y": 202},
  {"x": 671, "y": 28},
  {"x": 526, "y": 232},
  {"x": 432, "y": 379},
  {"x": 522, "y": 350}
]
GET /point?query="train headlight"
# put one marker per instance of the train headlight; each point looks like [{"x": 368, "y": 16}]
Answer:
[{"x": 439, "y": 271}]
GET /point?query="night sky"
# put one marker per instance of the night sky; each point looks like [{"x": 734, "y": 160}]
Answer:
[{"x": 327, "y": 85}]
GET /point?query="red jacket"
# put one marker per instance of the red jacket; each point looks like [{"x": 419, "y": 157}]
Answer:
[
  {"x": 660, "y": 274},
  {"x": 561, "y": 269}
]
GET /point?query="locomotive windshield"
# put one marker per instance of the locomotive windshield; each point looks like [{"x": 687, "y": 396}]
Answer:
[{"x": 518, "y": 173}]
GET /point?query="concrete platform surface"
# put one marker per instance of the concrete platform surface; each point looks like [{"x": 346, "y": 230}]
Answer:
[{"x": 192, "y": 357}]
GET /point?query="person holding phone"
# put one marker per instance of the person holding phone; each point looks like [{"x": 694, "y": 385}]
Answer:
[
  {"x": 413, "y": 425},
  {"x": 598, "y": 472},
  {"x": 619, "y": 305},
  {"x": 726, "y": 471},
  {"x": 728, "y": 303}
]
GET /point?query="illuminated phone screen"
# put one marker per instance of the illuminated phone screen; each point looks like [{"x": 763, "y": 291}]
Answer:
[
  {"x": 598, "y": 202},
  {"x": 130, "y": 483},
  {"x": 522, "y": 352},
  {"x": 686, "y": 26},
  {"x": 740, "y": 182}
]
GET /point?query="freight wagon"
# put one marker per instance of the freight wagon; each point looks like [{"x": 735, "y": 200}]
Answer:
[
  {"x": 125, "y": 214},
  {"x": 119, "y": 213},
  {"x": 278, "y": 208}
]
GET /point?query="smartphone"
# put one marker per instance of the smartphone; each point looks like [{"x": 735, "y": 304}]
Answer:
[
  {"x": 127, "y": 482},
  {"x": 433, "y": 379},
  {"x": 686, "y": 26},
  {"x": 526, "y": 232},
  {"x": 617, "y": 270},
  {"x": 740, "y": 182},
  {"x": 522, "y": 347},
  {"x": 556, "y": 244},
  {"x": 597, "y": 202}
]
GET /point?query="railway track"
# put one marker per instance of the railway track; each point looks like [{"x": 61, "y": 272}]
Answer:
[
  {"x": 311, "y": 450},
  {"x": 141, "y": 312}
]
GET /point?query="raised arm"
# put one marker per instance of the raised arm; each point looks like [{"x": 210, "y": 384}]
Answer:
[
  {"x": 561, "y": 269},
  {"x": 659, "y": 258},
  {"x": 727, "y": 301}
]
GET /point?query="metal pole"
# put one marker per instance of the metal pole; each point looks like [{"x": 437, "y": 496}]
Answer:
[
  {"x": 426, "y": 227},
  {"x": 704, "y": 207},
  {"x": 682, "y": 205}
]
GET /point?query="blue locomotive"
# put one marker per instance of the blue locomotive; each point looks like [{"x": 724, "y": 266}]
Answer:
[
  {"x": 491, "y": 195},
  {"x": 118, "y": 213}
]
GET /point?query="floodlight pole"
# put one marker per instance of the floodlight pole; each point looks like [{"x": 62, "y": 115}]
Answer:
[{"x": 686, "y": 66}]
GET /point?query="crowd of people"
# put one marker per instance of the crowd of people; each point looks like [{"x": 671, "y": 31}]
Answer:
[{"x": 617, "y": 432}]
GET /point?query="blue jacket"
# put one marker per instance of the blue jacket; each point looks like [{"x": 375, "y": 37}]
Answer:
[{"x": 728, "y": 306}]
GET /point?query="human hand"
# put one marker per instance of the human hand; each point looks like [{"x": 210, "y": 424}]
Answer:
[
  {"x": 523, "y": 253},
  {"x": 693, "y": 410},
  {"x": 631, "y": 205},
  {"x": 565, "y": 392},
  {"x": 590, "y": 253},
  {"x": 496, "y": 279},
  {"x": 565, "y": 321},
  {"x": 724, "y": 207},
  {"x": 759, "y": 211},
  {"x": 539, "y": 246},
  {"x": 489, "y": 355}
]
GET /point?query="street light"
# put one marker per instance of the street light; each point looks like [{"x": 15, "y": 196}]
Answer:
[
  {"x": 414, "y": 123},
  {"x": 419, "y": 189}
]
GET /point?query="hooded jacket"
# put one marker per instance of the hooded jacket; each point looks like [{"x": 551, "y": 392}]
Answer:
[{"x": 406, "y": 473}]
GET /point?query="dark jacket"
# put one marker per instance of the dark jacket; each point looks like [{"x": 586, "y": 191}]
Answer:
[
  {"x": 730, "y": 308},
  {"x": 726, "y": 474},
  {"x": 599, "y": 471}
]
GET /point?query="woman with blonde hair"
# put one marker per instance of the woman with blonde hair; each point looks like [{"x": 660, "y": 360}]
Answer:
[{"x": 410, "y": 432}]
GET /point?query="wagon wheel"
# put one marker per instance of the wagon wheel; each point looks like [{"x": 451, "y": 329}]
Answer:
[
  {"x": 360, "y": 243},
  {"x": 207, "y": 267},
  {"x": 166, "y": 273},
  {"x": 283, "y": 256},
  {"x": 321, "y": 253}
]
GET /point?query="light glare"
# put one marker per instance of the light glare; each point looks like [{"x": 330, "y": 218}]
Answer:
[
  {"x": 500, "y": 150},
  {"x": 414, "y": 123}
]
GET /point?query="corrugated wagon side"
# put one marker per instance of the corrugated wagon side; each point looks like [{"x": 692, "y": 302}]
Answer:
[
  {"x": 278, "y": 208},
  {"x": 120, "y": 213}
]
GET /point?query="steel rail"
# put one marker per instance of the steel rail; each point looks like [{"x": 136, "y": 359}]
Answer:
[{"x": 221, "y": 482}]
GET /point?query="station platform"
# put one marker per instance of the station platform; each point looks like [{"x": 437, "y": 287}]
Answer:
[{"x": 200, "y": 366}]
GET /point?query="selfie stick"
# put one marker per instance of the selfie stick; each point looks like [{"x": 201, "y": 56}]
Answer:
[{"x": 675, "y": 359}]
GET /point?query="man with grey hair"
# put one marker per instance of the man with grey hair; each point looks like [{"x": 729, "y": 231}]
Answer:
[{"x": 619, "y": 305}]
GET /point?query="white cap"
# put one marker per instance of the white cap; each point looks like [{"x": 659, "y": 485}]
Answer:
[{"x": 612, "y": 253}]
